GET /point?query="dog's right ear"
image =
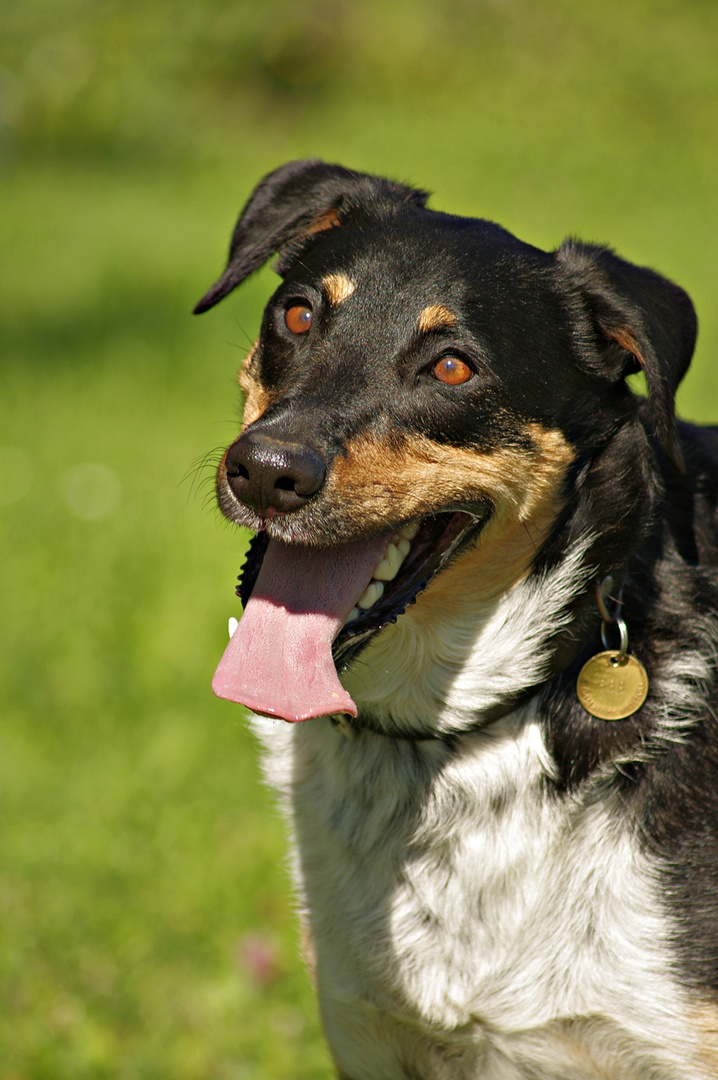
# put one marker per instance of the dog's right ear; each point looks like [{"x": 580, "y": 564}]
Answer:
[{"x": 289, "y": 207}]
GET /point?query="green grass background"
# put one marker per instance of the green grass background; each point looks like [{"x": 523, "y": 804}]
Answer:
[{"x": 146, "y": 923}]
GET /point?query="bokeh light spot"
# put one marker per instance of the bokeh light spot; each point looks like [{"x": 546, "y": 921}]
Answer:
[{"x": 91, "y": 491}]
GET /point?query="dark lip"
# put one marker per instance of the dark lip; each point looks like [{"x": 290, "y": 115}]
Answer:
[{"x": 439, "y": 538}]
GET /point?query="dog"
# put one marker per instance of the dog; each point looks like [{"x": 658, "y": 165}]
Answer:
[{"x": 484, "y": 575}]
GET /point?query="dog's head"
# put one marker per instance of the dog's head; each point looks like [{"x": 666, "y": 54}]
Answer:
[{"x": 426, "y": 396}]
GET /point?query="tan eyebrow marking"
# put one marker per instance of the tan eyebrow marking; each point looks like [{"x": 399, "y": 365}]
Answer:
[
  {"x": 434, "y": 317},
  {"x": 337, "y": 288}
]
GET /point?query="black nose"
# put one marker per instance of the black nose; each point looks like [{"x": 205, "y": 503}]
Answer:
[{"x": 265, "y": 472}]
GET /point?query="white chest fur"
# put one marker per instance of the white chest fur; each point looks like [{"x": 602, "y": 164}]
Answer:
[
  {"x": 455, "y": 654},
  {"x": 468, "y": 923}
]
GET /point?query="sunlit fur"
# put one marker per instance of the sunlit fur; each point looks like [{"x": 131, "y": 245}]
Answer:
[
  {"x": 466, "y": 923},
  {"x": 494, "y": 884}
]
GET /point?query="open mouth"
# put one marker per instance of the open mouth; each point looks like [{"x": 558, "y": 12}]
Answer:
[
  {"x": 414, "y": 553},
  {"x": 309, "y": 611},
  {"x": 431, "y": 544}
]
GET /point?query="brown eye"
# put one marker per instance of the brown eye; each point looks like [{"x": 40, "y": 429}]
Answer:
[
  {"x": 298, "y": 319},
  {"x": 452, "y": 371}
]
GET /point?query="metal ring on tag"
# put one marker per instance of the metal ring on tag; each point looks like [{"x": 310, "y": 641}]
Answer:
[
  {"x": 623, "y": 630},
  {"x": 612, "y": 685},
  {"x": 603, "y": 593}
]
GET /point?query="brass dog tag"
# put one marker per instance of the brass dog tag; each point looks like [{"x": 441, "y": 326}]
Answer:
[{"x": 610, "y": 687}]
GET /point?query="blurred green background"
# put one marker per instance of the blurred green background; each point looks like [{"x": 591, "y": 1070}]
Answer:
[{"x": 146, "y": 924}]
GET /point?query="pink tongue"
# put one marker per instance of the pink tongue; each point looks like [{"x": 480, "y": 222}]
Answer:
[{"x": 279, "y": 659}]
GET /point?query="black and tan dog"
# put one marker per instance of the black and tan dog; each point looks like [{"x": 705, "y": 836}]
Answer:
[{"x": 453, "y": 488}]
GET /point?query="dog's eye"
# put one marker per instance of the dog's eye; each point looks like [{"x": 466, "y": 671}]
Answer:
[
  {"x": 452, "y": 371},
  {"x": 298, "y": 319}
]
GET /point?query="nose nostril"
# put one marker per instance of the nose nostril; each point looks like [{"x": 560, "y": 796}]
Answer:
[
  {"x": 236, "y": 470},
  {"x": 285, "y": 483}
]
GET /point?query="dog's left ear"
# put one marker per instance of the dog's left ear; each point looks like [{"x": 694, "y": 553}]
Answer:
[
  {"x": 640, "y": 321},
  {"x": 292, "y": 205}
]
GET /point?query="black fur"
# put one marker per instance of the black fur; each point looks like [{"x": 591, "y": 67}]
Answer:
[{"x": 551, "y": 338}]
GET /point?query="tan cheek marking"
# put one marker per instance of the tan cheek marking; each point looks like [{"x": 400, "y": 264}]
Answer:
[
  {"x": 256, "y": 398},
  {"x": 417, "y": 476},
  {"x": 704, "y": 1021},
  {"x": 435, "y": 317},
  {"x": 529, "y": 498},
  {"x": 338, "y": 288}
]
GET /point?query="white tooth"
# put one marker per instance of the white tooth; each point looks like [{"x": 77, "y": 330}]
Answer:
[
  {"x": 232, "y": 625},
  {"x": 388, "y": 568},
  {"x": 410, "y": 530},
  {"x": 371, "y": 594},
  {"x": 353, "y": 614},
  {"x": 403, "y": 547}
]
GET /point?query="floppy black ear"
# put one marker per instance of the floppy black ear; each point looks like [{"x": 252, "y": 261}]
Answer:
[
  {"x": 292, "y": 204},
  {"x": 644, "y": 323}
]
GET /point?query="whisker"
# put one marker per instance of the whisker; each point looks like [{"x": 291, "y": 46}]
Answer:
[
  {"x": 241, "y": 329},
  {"x": 200, "y": 473}
]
